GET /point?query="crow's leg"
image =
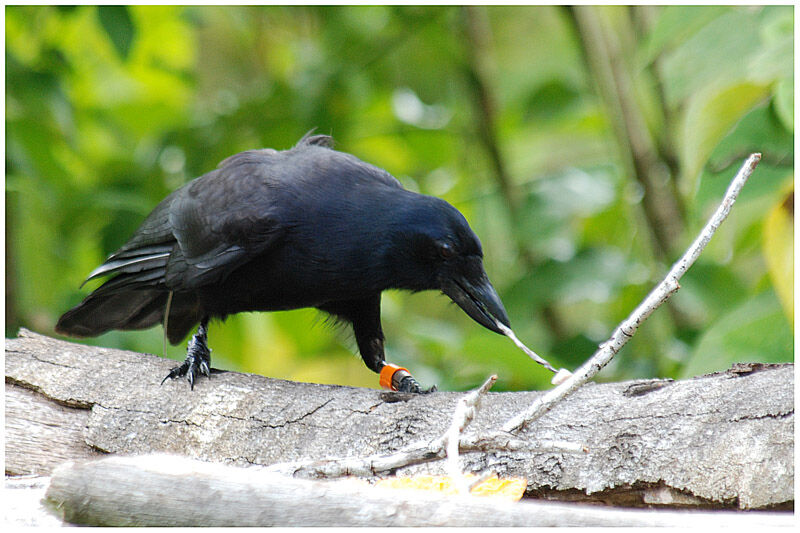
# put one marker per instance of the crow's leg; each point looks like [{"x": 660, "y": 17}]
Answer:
[
  {"x": 365, "y": 315},
  {"x": 198, "y": 357}
]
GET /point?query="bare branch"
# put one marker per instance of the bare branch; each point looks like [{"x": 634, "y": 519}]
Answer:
[
  {"x": 465, "y": 411},
  {"x": 658, "y": 296},
  {"x": 500, "y": 441},
  {"x": 419, "y": 453}
]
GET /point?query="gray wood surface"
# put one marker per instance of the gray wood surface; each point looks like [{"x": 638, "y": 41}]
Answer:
[
  {"x": 175, "y": 491},
  {"x": 724, "y": 440}
]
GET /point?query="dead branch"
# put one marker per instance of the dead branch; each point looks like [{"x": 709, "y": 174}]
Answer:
[
  {"x": 660, "y": 294},
  {"x": 175, "y": 491}
]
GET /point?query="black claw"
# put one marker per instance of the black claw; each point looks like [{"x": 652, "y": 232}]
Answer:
[
  {"x": 409, "y": 384},
  {"x": 198, "y": 359},
  {"x": 176, "y": 372}
]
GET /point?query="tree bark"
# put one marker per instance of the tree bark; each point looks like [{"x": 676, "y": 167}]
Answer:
[{"x": 724, "y": 440}]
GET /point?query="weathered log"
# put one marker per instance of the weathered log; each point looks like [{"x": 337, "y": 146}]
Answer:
[
  {"x": 723, "y": 440},
  {"x": 175, "y": 491}
]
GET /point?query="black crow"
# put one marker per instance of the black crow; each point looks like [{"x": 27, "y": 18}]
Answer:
[{"x": 273, "y": 230}]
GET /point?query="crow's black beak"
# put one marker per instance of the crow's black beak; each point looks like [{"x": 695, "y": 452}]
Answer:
[{"x": 479, "y": 300}]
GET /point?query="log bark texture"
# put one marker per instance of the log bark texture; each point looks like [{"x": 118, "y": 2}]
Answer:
[{"x": 724, "y": 440}]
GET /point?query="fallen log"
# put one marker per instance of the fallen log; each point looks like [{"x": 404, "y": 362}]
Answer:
[
  {"x": 719, "y": 441},
  {"x": 161, "y": 490}
]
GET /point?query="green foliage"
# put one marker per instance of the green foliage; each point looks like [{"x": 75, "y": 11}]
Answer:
[
  {"x": 110, "y": 108},
  {"x": 118, "y": 25},
  {"x": 753, "y": 330}
]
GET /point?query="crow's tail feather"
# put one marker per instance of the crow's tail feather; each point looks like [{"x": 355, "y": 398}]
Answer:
[{"x": 134, "y": 308}]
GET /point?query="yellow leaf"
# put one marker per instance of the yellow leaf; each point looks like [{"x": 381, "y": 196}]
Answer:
[
  {"x": 779, "y": 250},
  {"x": 510, "y": 489},
  {"x": 709, "y": 116}
]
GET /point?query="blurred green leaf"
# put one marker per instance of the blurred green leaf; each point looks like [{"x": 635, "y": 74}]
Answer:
[
  {"x": 718, "y": 51},
  {"x": 676, "y": 24},
  {"x": 755, "y": 331},
  {"x": 709, "y": 116},
  {"x": 709, "y": 290},
  {"x": 774, "y": 58},
  {"x": 784, "y": 103},
  {"x": 116, "y": 21},
  {"x": 758, "y": 131}
]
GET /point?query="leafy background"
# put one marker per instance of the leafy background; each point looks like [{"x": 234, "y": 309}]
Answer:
[{"x": 586, "y": 146}]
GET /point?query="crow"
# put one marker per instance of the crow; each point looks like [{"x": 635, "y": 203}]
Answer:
[{"x": 275, "y": 230}]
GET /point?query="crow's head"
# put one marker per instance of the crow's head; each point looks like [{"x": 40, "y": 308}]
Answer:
[{"x": 441, "y": 252}]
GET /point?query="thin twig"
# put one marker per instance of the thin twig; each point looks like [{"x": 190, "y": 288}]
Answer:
[
  {"x": 464, "y": 413},
  {"x": 500, "y": 441},
  {"x": 418, "y": 453},
  {"x": 508, "y": 332},
  {"x": 658, "y": 296}
]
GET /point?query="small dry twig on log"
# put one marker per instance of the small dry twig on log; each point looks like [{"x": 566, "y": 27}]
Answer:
[
  {"x": 658, "y": 296},
  {"x": 465, "y": 411},
  {"x": 500, "y": 441}
]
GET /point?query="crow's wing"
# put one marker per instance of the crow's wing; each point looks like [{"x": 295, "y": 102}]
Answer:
[
  {"x": 222, "y": 220},
  {"x": 201, "y": 232},
  {"x": 143, "y": 259}
]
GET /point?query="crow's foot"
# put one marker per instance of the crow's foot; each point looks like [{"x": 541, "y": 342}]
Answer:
[
  {"x": 409, "y": 384},
  {"x": 198, "y": 359},
  {"x": 399, "y": 379}
]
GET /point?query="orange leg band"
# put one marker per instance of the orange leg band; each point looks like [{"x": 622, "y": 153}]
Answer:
[{"x": 387, "y": 375}]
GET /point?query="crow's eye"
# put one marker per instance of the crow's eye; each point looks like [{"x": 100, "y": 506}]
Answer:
[{"x": 446, "y": 251}]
